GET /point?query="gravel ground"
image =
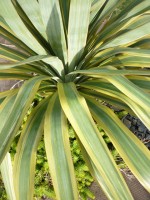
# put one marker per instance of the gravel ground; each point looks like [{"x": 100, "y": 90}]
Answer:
[{"x": 138, "y": 128}]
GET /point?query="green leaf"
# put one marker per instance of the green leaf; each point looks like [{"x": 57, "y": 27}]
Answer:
[
  {"x": 138, "y": 21},
  {"x": 117, "y": 24},
  {"x": 25, "y": 61},
  {"x": 6, "y": 106},
  {"x": 81, "y": 120},
  {"x": 51, "y": 16},
  {"x": 131, "y": 90},
  {"x": 109, "y": 70},
  {"x": 12, "y": 38},
  {"x": 104, "y": 97},
  {"x": 137, "y": 7},
  {"x": 77, "y": 31},
  {"x": 128, "y": 38},
  {"x": 7, "y": 176},
  {"x": 25, "y": 158},
  {"x": 102, "y": 18},
  {"x": 143, "y": 43},
  {"x": 108, "y": 9},
  {"x": 14, "y": 75},
  {"x": 64, "y": 7},
  {"x": 135, "y": 61},
  {"x": 17, "y": 112},
  {"x": 10, "y": 15},
  {"x": 96, "y": 6},
  {"x": 93, "y": 170},
  {"x": 32, "y": 29},
  {"x": 134, "y": 153},
  {"x": 32, "y": 10},
  {"x": 11, "y": 54},
  {"x": 4, "y": 24},
  {"x": 7, "y": 93},
  {"x": 143, "y": 82},
  {"x": 116, "y": 51},
  {"x": 113, "y": 93},
  {"x": 55, "y": 65},
  {"x": 56, "y": 139}
]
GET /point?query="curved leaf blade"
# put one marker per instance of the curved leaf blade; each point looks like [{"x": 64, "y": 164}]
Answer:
[
  {"x": 143, "y": 82},
  {"x": 114, "y": 93},
  {"x": 27, "y": 61},
  {"x": 98, "y": 72},
  {"x": 52, "y": 19},
  {"x": 96, "y": 6},
  {"x": 131, "y": 90},
  {"x": 104, "y": 97},
  {"x": 10, "y": 15},
  {"x": 32, "y": 10},
  {"x": 56, "y": 139},
  {"x": 25, "y": 158},
  {"x": 134, "y": 153},
  {"x": 135, "y": 61},
  {"x": 77, "y": 31},
  {"x": 7, "y": 176},
  {"x": 18, "y": 110},
  {"x": 93, "y": 170},
  {"x": 14, "y": 75},
  {"x": 81, "y": 120},
  {"x": 5, "y": 108},
  {"x": 129, "y": 37}
]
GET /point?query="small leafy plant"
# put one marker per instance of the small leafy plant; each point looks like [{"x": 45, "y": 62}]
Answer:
[{"x": 76, "y": 54}]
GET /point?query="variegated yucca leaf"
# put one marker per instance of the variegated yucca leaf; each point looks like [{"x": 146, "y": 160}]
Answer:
[
  {"x": 75, "y": 54},
  {"x": 7, "y": 175}
]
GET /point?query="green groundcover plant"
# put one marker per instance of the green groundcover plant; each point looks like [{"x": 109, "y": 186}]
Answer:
[{"x": 76, "y": 54}]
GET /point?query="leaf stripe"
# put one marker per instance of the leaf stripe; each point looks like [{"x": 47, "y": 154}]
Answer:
[
  {"x": 56, "y": 139},
  {"x": 25, "y": 158}
]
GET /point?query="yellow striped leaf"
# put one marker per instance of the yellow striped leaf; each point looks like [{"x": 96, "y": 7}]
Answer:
[
  {"x": 56, "y": 139},
  {"x": 25, "y": 158},
  {"x": 78, "y": 114},
  {"x": 18, "y": 110},
  {"x": 133, "y": 152}
]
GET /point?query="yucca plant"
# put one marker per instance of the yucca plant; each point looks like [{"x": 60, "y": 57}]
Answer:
[{"x": 77, "y": 54}]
